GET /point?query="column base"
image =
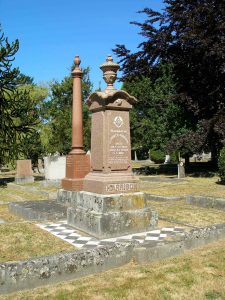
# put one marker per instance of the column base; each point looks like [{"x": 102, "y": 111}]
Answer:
[{"x": 77, "y": 167}]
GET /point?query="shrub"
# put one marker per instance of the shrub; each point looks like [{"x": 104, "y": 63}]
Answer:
[
  {"x": 158, "y": 156},
  {"x": 221, "y": 165}
]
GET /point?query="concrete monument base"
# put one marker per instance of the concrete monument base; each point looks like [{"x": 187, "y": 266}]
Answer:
[
  {"x": 111, "y": 183},
  {"x": 107, "y": 216},
  {"x": 24, "y": 179}
]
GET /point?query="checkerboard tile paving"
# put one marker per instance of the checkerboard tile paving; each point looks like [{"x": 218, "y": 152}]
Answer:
[{"x": 80, "y": 240}]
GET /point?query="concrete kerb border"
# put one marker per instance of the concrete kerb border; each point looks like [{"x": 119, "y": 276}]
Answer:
[
  {"x": 203, "y": 201},
  {"x": 40, "y": 271},
  {"x": 208, "y": 202},
  {"x": 163, "y": 198}
]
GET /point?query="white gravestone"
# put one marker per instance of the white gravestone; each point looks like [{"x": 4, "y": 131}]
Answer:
[{"x": 55, "y": 167}]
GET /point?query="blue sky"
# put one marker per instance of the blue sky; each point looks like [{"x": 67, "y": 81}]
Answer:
[{"x": 51, "y": 33}]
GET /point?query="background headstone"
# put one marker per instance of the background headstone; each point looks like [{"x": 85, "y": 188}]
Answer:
[
  {"x": 181, "y": 169},
  {"x": 167, "y": 159},
  {"x": 135, "y": 155},
  {"x": 40, "y": 166},
  {"x": 55, "y": 167},
  {"x": 24, "y": 173}
]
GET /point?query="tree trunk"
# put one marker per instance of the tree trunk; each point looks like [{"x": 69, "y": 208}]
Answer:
[{"x": 187, "y": 159}]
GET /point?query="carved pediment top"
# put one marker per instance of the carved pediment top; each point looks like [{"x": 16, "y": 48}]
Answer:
[{"x": 116, "y": 99}]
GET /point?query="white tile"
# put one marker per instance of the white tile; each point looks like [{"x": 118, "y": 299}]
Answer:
[
  {"x": 84, "y": 238},
  {"x": 163, "y": 235},
  {"x": 68, "y": 231},
  {"x": 129, "y": 237},
  {"x": 168, "y": 229},
  {"x": 151, "y": 238},
  {"x": 155, "y": 231},
  {"x": 74, "y": 234},
  {"x": 62, "y": 237},
  {"x": 95, "y": 243},
  {"x": 79, "y": 245},
  {"x": 110, "y": 240}
]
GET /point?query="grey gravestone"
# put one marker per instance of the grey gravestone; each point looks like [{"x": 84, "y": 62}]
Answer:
[
  {"x": 181, "y": 169},
  {"x": 167, "y": 159}
]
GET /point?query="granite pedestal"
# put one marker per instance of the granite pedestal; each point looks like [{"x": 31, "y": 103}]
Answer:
[{"x": 107, "y": 216}]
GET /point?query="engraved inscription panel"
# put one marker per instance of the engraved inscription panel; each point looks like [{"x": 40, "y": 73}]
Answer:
[{"x": 118, "y": 140}]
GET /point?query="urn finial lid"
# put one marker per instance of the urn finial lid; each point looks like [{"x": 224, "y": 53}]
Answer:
[
  {"x": 109, "y": 69},
  {"x": 77, "y": 61},
  {"x": 77, "y": 73}
]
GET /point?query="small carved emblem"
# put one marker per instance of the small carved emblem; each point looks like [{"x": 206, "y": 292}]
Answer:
[{"x": 118, "y": 121}]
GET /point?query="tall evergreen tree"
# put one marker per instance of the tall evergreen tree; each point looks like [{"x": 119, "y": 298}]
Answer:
[{"x": 18, "y": 109}]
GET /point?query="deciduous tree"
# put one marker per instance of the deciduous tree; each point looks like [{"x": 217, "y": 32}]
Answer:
[{"x": 190, "y": 35}]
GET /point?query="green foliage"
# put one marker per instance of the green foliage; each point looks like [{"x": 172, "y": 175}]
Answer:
[
  {"x": 190, "y": 35},
  {"x": 221, "y": 165},
  {"x": 158, "y": 156},
  {"x": 19, "y": 106},
  {"x": 57, "y": 112},
  {"x": 155, "y": 118}
]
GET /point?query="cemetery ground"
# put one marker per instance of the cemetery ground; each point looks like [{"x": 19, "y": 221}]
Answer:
[{"x": 197, "y": 274}]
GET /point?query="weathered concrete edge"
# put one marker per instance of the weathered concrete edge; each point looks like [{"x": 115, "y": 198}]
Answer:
[
  {"x": 68, "y": 197},
  {"x": 40, "y": 271},
  {"x": 195, "y": 238},
  {"x": 163, "y": 198},
  {"x": 28, "y": 213},
  {"x": 209, "y": 202}
]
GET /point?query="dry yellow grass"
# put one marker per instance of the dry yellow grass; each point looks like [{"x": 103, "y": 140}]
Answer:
[
  {"x": 198, "y": 274},
  {"x": 24, "y": 240},
  {"x": 6, "y": 215},
  {"x": 8, "y": 194},
  {"x": 190, "y": 185},
  {"x": 180, "y": 211}
]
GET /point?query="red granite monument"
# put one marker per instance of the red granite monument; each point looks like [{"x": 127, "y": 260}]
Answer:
[
  {"x": 111, "y": 171},
  {"x": 77, "y": 162},
  {"x": 110, "y": 204}
]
